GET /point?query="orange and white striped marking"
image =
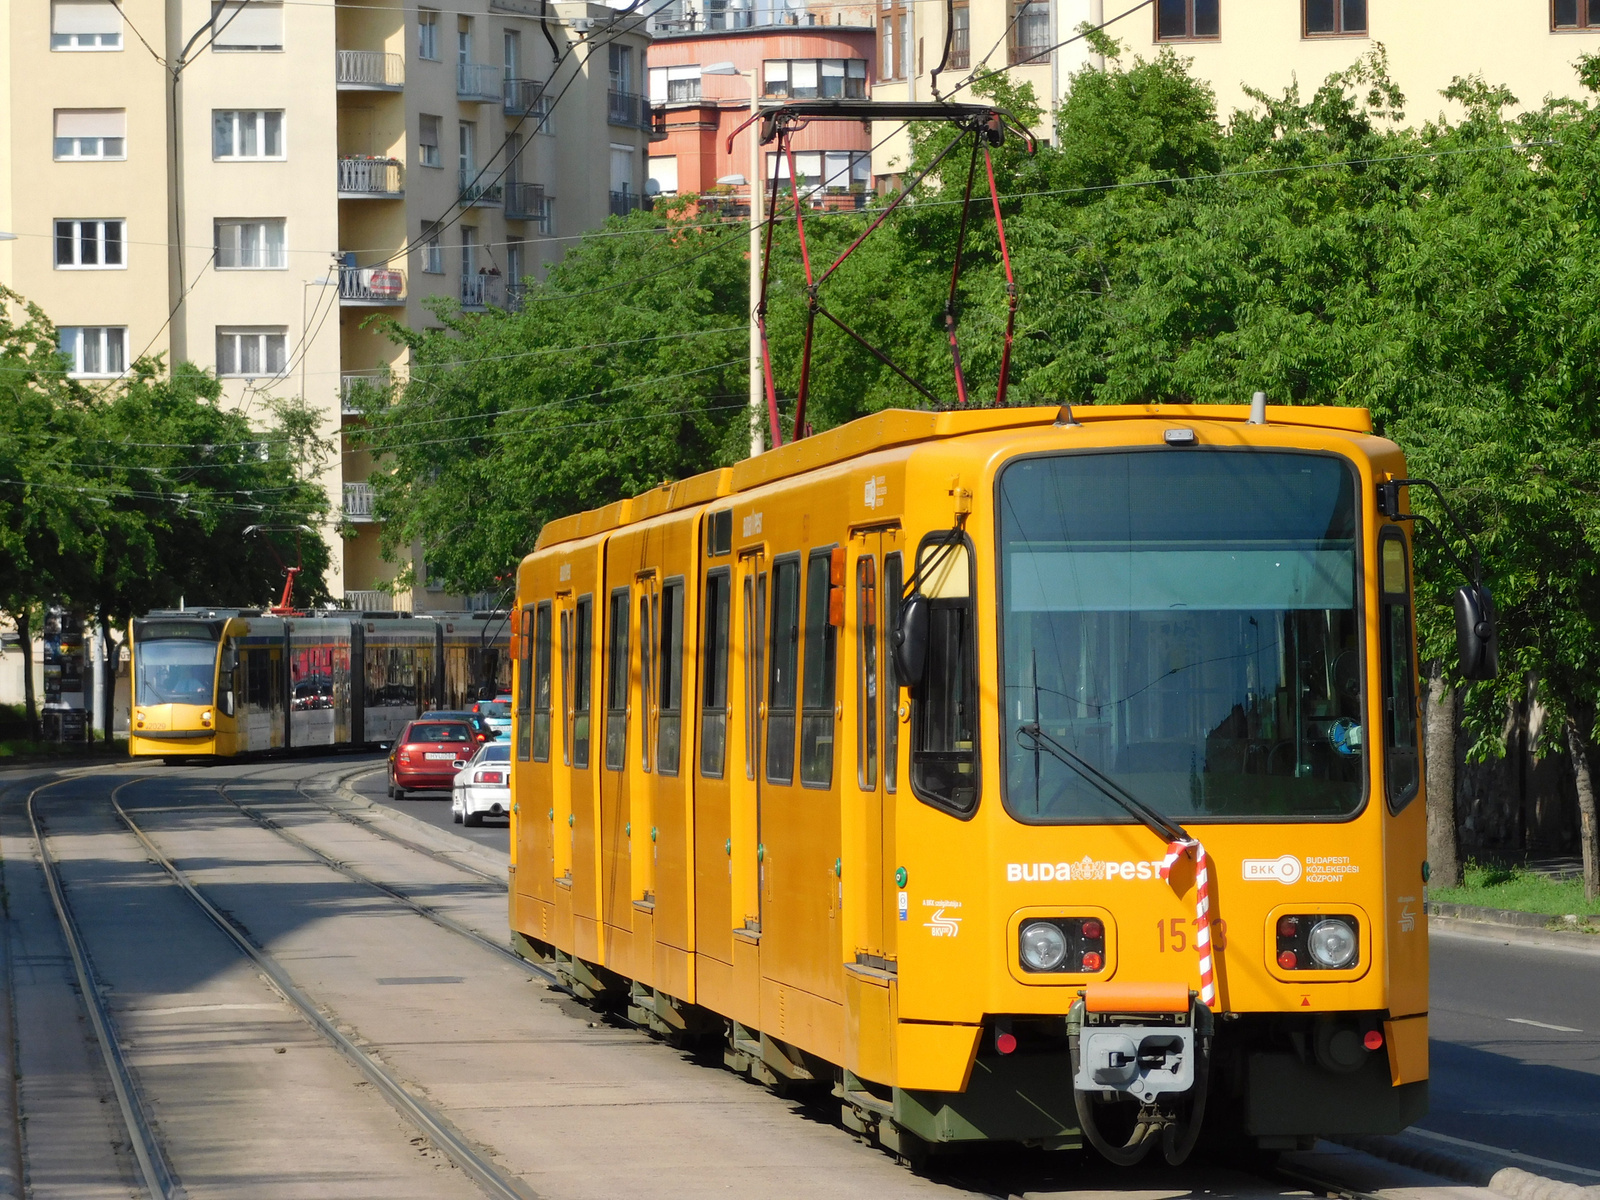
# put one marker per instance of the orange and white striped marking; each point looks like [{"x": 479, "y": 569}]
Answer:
[{"x": 1202, "y": 911}]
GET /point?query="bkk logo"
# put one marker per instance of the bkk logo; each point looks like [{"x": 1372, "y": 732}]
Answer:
[{"x": 1085, "y": 868}]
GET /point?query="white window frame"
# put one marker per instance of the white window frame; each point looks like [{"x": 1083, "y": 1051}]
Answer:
[
  {"x": 237, "y": 334},
  {"x": 99, "y": 225},
  {"x": 423, "y": 146},
  {"x": 95, "y": 145},
  {"x": 263, "y": 252},
  {"x": 428, "y": 34},
  {"x": 221, "y": 22},
  {"x": 240, "y": 117},
  {"x": 73, "y": 42},
  {"x": 432, "y": 250},
  {"x": 109, "y": 338}
]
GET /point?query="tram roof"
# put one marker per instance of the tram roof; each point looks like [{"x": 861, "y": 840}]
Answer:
[{"x": 900, "y": 427}]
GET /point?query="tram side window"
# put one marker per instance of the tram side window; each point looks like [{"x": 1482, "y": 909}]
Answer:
[
  {"x": 944, "y": 748},
  {"x": 525, "y": 686},
  {"x": 669, "y": 675},
  {"x": 892, "y": 583},
  {"x": 617, "y": 683},
  {"x": 582, "y": 634},
  {"x": 755, "y": 622},
  {"x": 541, "y": 682},
  {"x": 1401, "y": 765},
  {"x": 566, "y": 686},
  {"x": 714, "y": 673},
  {"x": 783, "y": 660},
  {"x": 258, "y": 679},
  {"x": 816, "y": 720},
  {"x": 867, "y": 672}
]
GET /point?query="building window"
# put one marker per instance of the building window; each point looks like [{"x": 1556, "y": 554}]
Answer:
[
  {"x": 960, "y": 36},
  {"x": 85, "y": 25},
  {"x": 894, "y": 24},
  {"x": 89, "y": 245},
  {"x": 428, "y": 141},
  {"x": 432, "y": 249},
  {"x": 467, "y": 150},
  {"x": 90, "y": 133},
  {"x": 621, "y": 67},
  {"x": 1030, "y": 32},
  {"x": 246, "y": 133},
  {"x": 835, "y": 171},
  {"x": 247, "y": 25},
  {"x": 469, "y": 252},
  {"x": 1184, "y": 20},
  {"x": 250, "y": 245},
  {"x": 513, "y": 54},
  {"x": 663, "y": 180},
  {"x": 516, "y": 263},
  {"x": 95, "y": 351},
  {"x": 463, "y": 40},
  {"x": 250, "y": 352},
  {"x": 427, "y": 34},
  {"x": 805, "y": 79},
  {"x": 1335, "y": 18},
  {"x": 674, "y": 84},
  {"x": 1570, "y": 14}
]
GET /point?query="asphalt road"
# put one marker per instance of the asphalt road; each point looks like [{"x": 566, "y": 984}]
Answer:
[
  {"x": 432, "y": 807},
  {"x": 1516, "y": 1033}
]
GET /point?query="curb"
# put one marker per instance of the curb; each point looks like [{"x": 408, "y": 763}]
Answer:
[
  {"x": 1506, "y": 916},
  {"x": 1511, "y": 1182}
]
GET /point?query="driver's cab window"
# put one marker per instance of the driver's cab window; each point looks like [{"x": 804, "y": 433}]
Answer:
[
  {"x": 944, "y": 725},
  {"x": 1402, "y": 765}
]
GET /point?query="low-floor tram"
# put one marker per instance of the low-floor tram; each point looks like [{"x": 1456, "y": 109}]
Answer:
[
  {"x": 1018, "y": 775},
  {"x": 224, "y": 682}
]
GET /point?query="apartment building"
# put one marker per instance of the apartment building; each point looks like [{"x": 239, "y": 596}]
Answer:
[
  {"x": 321, "y": 164},
  {"x": 770, "y": 55},
  {"x": 1528, "y": 45}
]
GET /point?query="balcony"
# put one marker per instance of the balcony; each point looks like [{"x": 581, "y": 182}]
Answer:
[
  {"x": 1020, "y": 53},
  {"x": 370, "y": 71},
  {"x": 628, "y": 108},
  {"x": 475, "y": 193},
  {"x": 521, "y": 96},
  {"x": 627, "y": 201},
  {"x": 362, "y": 177},
  {"x": 368, "y": 600},
  {"x": 358, "y": 501},
  {"x": 527, "y": 202},
  {"x": 480, "y": 291},
  {"x": 356, "y": 388},
  {"x": 960, "y": 48},
  {"x": 516, "y": 294},
  {"x": 478, "y": 82},
  {"x": 374, "y": 287}
]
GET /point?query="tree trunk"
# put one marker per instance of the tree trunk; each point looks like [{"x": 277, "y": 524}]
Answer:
[
  {"x": 30, "y": 697},
  {"x": 1444, "y": 856},
  {"x": 1578, "y": 747}
]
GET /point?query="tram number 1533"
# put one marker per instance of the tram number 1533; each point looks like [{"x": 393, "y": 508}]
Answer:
[{"x": 1171, "y": 934}]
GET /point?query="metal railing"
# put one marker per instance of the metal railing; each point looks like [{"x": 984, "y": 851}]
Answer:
[
  {"x": 525, "y": 96},
  {"x": 355, "y": 386},
  {"x": 371, "y": 285},
  {"x": 479, "y": 291},
  {"x": 1028, "y": 52},
  {"x": 477, "y": 81},
  {"x": 627, "y": 108},
  {"x": 363, "y": 175},
  {"x": 374, "y": 69},
  {"x": 627, "y": 200},
  {"x": 368, "y": 600},
  {"x": 527, "y": 202},
  {"x": 474, "y": 191},
  {"x": 358, "y": 501},
  {"x": 516, "y": 293},
  {"x": 960, "y": 48}
]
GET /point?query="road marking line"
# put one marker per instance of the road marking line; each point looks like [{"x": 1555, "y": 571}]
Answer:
[
  {"x": 1543, "y": 1025},
  {"x": 1496, "y": 1150}
]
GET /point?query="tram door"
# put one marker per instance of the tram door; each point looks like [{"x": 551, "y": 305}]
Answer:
[
  {"x": 872, "y": 607},
  {"x": 749, "y": 849}
]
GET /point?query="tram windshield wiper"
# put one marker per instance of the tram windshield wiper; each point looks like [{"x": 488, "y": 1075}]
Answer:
[{"x": 1157, "y": 822}]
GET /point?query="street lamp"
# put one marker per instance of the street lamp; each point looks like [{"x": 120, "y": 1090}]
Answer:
[{"x": 757, "y": 390}]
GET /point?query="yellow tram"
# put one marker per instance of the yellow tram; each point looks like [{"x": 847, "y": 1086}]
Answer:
[
  {"x": 216, "y": 683},
  {"x": 892, "y": 757}
]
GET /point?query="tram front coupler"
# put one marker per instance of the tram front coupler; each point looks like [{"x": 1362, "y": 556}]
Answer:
[{"x": 1159, "y": 1061}]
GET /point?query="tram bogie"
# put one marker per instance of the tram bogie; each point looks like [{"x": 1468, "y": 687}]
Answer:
[
  {"x": 226, "y": 682},
  {"x": 922, "y": 753}
]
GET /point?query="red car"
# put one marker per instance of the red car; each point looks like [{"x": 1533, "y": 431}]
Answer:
[{"x": 425, "y": 756}]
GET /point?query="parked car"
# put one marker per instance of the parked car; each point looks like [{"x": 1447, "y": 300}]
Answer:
[
  {"x": 426, "y": 753},
  {"x": 483, "y": 785},
  {"x": 497, "y": 713},
  {"x": 482, "y": 729}
]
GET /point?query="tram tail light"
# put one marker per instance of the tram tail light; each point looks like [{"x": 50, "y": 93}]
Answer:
[{"x": 1373, "y": 1040}]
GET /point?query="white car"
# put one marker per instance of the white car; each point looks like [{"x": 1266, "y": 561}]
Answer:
[{"x": 483, "y": 785}]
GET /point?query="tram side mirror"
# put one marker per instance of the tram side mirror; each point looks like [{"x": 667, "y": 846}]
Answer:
[
  {"x": 910, "y": 641},
  {"x": 1476, "y": 641},
  {"x": 227, "y": 703}
]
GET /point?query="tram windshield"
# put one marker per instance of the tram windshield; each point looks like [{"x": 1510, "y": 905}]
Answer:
[
  {"x": 175, "y": 671},
  {"x": 1185, "y": 621}
]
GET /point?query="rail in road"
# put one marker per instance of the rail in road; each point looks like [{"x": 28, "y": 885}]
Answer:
[{"x": 227, "y": 982}]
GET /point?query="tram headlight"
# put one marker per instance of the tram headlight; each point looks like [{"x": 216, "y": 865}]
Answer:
[
  {"x": 1043, "y": 946},
  {"x": 205, "y": 717},
  {"x": 1332, "y": 944}
]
